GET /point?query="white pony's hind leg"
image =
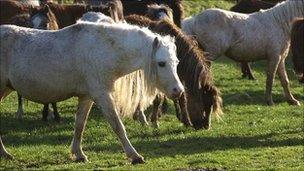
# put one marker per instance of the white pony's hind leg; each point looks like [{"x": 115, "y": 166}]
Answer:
[
  {"x": 3, "y": 152},
  {"x": 105, "y": 102},
  {"x": 19, "y": 113},
  {"x": 84, "y": 107},
  {"x": 285, "y": 84}
]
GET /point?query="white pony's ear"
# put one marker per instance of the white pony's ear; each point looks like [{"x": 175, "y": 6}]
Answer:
[{"x": 155, "y": 45}]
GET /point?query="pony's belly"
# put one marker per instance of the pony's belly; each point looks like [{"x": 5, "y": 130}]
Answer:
[{"x": 248, "y": 55}]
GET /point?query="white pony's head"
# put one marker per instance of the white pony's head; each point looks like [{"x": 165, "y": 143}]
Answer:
[{"x": 165, "y": 61}]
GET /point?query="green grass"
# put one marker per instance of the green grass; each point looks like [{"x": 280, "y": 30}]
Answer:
[{"x": 251, "y": 136}]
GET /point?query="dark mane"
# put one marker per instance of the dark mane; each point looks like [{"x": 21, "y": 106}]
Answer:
[{"x": 193, "y": 69}]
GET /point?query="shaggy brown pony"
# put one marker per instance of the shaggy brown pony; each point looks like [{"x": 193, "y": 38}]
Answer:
[
  {"x": 141, "y": 7},
  {"x": 201, "y": 94},
  {"x": 66, "y": 14},
  {"x": 297, "y": 47},
  {"x": 159, "y": 12}
]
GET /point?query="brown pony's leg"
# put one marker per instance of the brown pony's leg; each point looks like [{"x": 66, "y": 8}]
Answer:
[
  {"x": 271, "y": 70},
  {"x": 156, "y": 110},
  {"x": 285, "y": 84},
  {"x": 207, "y": 117},
  {"x": 45, "y": 112},
  {"x": 56, "y": 114},
  {"x": 165, "y": 105},
  {"x": 178, "y": 110},
  {"x": 140, "y": 116},
  {"x": 184, "y": 113},
  {"x": 3, "y": 152},
  {"x": 84, "y": 107},
  {"x": 19, "y": 113}
]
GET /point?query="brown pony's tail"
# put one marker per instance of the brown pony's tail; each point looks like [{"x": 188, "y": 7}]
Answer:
[{"x": 297, "y": 45}]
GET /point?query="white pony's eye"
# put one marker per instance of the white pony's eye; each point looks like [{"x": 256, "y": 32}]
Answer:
[{"x": 162, "y": 64}]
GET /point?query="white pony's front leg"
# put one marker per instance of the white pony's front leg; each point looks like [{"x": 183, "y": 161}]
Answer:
[
  {"x": 271, "y": 71},
  {"x": 105, "y": 102},
  {"x": 84, "y": 107}
]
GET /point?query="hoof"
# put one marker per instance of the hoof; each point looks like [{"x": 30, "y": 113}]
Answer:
[
  {"x": 19, "y": 115},
  {"x": 138, "y": 160},
  {"x": 6, "y": 155},
  {"x": 270, "y": 103},
  {"x": 294, "y": 102},
  {"x": 81, "y": 159},
  {"x": 155, "y": 125},
  {"x": 78, "y": 159}
]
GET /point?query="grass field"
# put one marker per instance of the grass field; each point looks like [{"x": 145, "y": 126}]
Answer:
[{"x": 251, "y": 136}]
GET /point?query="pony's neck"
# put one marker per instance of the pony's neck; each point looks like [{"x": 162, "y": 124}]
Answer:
[
  {"x": 285, "y": 12},
  {"x": 139, "y": 49}
]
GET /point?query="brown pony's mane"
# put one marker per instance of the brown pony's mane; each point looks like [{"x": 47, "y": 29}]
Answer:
[{"x": 193, "y": 68}]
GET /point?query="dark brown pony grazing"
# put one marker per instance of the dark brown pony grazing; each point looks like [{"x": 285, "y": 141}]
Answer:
[
  {"x": 297, "y": 47},
  {"x": 201, "y": 94},
  {"x": 66, "y": 14},
  {"x": 47, "y": 22},
  {"x": 250, "y": 6},
  {"x": 141, "y": 7}
]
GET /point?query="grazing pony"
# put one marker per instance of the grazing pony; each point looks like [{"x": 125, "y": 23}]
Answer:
[
  {"x": 141, "y": 7},
  {"x": 200, "y": 92},
  {"x": 89, "y": 58},
  {"x": 250, "y": 6},
  {"x": 297, "y": 48},
  {"x": 264, "y": 35},
  {"x": 44, "y": 19},
  {"x": 159, "y": 12},
  {"x": 66, "y": 14}
]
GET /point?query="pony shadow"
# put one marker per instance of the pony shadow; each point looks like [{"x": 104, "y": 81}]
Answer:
[
  {"x": 254, "y": 97},
  {"x": 187, "y": 146}
]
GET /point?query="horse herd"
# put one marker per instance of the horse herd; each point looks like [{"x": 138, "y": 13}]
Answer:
[{"x": 126, "y": 55}]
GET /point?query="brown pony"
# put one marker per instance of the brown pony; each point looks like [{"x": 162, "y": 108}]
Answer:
[
  {"x": 47, "y": 22},
  {"x": 297, "y": 47},
  {"x": 201, "y": 94},
  {"x": 250, "y": 6},
  {"x": 66, "y": 14},
  {"x": 141, "y": 7}
]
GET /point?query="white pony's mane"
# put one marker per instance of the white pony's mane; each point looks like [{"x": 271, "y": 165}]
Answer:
[
  {"x": 284, "y": 12},
  {"x": 137, "y": 88}
]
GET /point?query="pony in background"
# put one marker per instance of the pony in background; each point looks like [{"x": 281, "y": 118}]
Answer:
[{"x": 264, "y": 35}]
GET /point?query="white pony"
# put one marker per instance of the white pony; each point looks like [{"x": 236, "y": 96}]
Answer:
[
  {"x": 131, "y": 92},
  {"x": 85, "y": 60},
  {"x": 263, "y": 35}
]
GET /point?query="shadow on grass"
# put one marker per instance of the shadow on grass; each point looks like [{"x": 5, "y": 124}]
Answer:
[{"x": 254, "y": 97}]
